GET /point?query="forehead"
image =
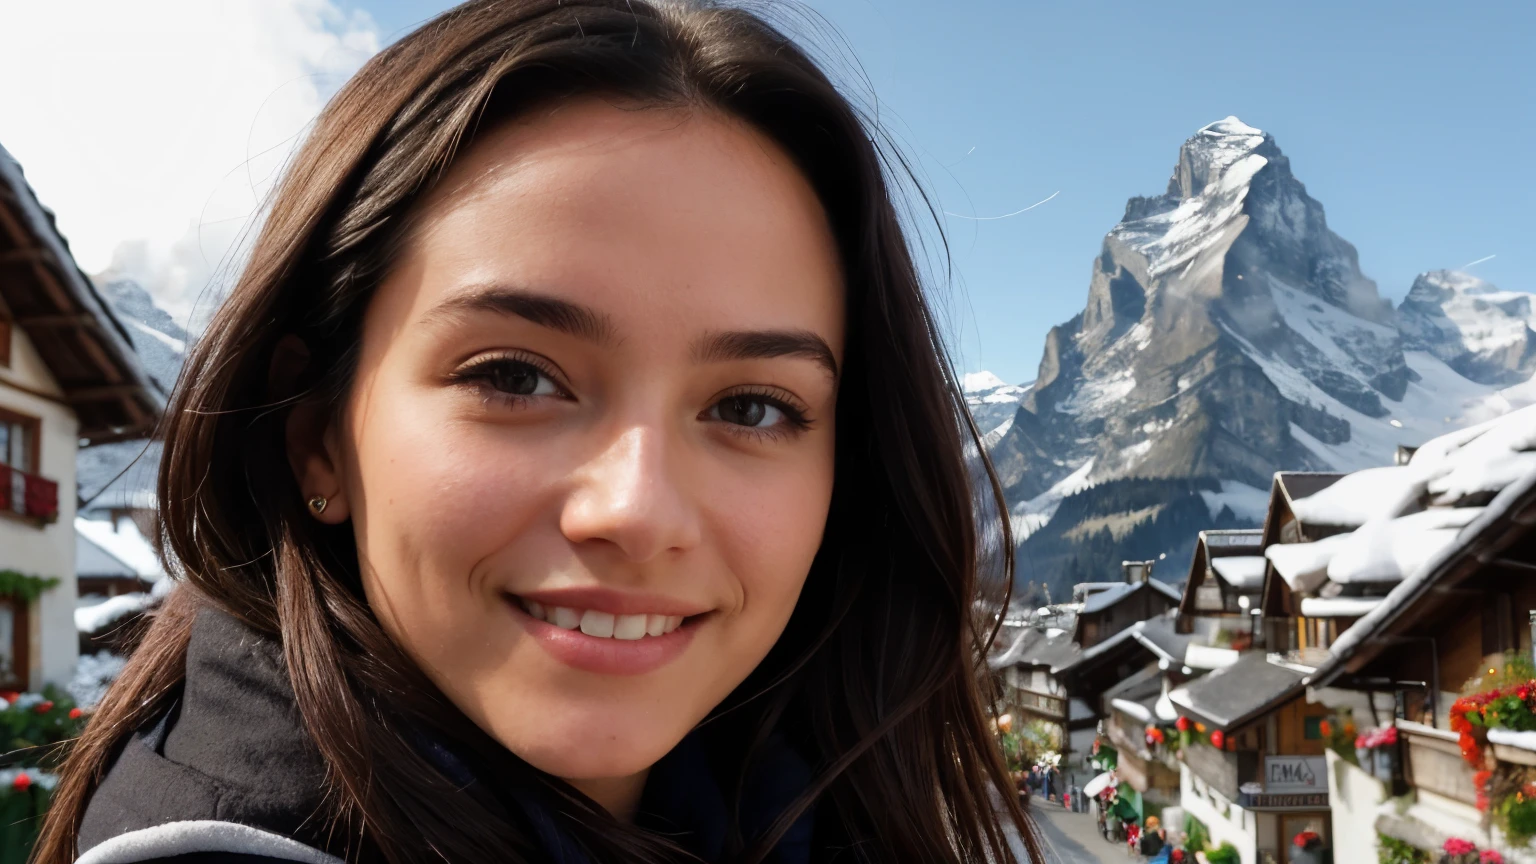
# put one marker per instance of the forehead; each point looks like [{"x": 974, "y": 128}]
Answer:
[{"x": 664, "y": 219}]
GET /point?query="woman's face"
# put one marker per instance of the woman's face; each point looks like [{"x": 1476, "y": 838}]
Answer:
[{"x": 588, "y": 453}]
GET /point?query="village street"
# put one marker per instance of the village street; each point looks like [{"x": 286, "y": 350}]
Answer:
[{"x": 1071, "y": 838}]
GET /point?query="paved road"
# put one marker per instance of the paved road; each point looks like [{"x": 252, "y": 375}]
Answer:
[{"x": 1072, "y": 838}]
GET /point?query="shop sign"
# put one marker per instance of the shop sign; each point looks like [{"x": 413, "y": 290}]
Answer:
[{"x": 1295, "y": 775}]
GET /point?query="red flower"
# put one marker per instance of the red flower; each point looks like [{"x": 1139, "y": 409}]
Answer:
[
  {"x": 1490, "y": 856},
  {"x": 44, "y": 707},
  {"x": 22, "y": 783},
  {"x": 1304, "y": 838},
  {"x": 1181, "y": 724},
  {"x": 1326, "y": 728},
  {"x": 1218, "y": 739},
  {"x": 75, "y": 713},
  {"x": 1458, "y": 846},
  {"x": 1177, "y": 857}
]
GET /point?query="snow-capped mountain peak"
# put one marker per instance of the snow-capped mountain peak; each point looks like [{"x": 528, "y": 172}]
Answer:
[
  {"x": 973, "y": 382},
  {"x": 1228, "y": 334},
  {"x": 1482, "y": 332}
]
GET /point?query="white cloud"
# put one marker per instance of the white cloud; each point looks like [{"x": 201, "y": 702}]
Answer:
[{"x": 154, "y": 129}]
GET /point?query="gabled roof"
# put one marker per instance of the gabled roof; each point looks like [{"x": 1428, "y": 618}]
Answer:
[
  {"x": 1209, "y": 547},
  {"x": 1232, "y": 696},
  {"x": 1037, "y": 649},
  {"x": 1508, "y": 518},
  {"x": 1156, "y": 636},
  {"x": 83, "y": 345},
  {"x": 1400, "y": 518},
  {"x": 1289, "y": 487}
]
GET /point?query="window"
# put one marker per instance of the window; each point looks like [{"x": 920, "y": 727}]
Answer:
[
  {"x": 13, "y": 644},
  {"x": 18, "y": 442}
]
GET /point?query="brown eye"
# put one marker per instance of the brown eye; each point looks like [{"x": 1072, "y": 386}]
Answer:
[
  {"x": 517, "y": 378},
  {"x": 748, "y": 410},
  {"x": 512, "y": 377}
]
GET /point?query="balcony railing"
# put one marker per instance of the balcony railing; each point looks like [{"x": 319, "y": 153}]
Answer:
[
  {"x": 28, "y": 495},
  {"x": 1054, "y": 707},
  {"x": 1434, "y": 762}
]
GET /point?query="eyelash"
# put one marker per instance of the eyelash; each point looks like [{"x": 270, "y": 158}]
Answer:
[
  {"x": 479, "y": 375},
  {"x": 794, "y": 417}
]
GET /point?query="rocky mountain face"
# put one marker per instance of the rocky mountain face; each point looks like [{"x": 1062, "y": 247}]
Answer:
[
  {"x": 122, "y": 475},
  {"x": 1476, "y": 329},
  {"x": 1228, "y": 334}
]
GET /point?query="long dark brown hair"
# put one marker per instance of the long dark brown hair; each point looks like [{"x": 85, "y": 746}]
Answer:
[{"x": 879, "y": 679}]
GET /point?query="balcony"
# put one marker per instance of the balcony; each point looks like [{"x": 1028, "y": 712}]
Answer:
[
  {"x": 28, "y": 496},
  {"x": 1043, "y": 704},
  {"x": 1434, "y": 762}
]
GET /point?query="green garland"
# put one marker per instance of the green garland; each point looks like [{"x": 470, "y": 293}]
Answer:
[
  {"x": 1390, "y": 850},
  {"x": 24, "y": 587}
]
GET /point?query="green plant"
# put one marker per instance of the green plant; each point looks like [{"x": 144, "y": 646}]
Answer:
[
  {"x": 1196, "y": 835},
  {"x": 16, "y": 584},
  {"x": 1390, "y": 850},
  {"x": 1226, "y": 853},
  {"x": 34, "y": 727},
  {"x": 1516, "y": 816}
]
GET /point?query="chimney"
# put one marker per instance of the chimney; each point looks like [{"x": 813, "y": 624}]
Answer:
[{"x": 1137, "y": 571}]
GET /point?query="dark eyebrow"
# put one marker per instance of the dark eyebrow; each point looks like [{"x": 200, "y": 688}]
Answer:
[
  {"x": 764, "y": 344},
  {"x": 570, "y": 318}
]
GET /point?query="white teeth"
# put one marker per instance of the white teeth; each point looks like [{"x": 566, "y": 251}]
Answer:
[
  {"x": 629, "y": 627},
  {"x": 595, "y": 623},
  {"x": 565, "y": 618},
  {"x": 604, "y": 625}
]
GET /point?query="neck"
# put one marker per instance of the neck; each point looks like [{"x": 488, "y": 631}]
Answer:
[{"x": 620, "y": 796}]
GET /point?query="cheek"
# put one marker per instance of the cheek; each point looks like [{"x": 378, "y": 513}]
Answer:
[
  {"x": 769, "y": 531},
  {"x": 433, "y": 500}
]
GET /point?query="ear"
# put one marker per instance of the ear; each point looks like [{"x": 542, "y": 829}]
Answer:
[{"x": 309, "y": 433}]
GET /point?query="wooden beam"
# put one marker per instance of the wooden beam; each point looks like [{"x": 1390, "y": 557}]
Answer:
[
  {"x": 80, "y": 319},
  {"x": 98, "y": 393}
]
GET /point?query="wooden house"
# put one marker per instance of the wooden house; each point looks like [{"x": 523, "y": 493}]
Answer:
[
  {"x": 1226, "y": 580},
  {"x": 1465, "y": 607},
  {"x": 1254, "y": 773},
  {"x": 68, "y": 375}
]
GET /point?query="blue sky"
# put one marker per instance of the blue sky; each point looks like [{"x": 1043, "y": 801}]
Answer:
[{"x": 1411, "y": 122}]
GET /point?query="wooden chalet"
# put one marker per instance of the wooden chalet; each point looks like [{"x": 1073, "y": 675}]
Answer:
[
  {"x": 68, "y": 374},
  {"x": 1226, "y": 580},
  {"x": 1111, "y": 607},
  {"x": 1460, "y": 615}
]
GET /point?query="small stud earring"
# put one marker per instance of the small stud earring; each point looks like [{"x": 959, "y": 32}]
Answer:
[{"x": 317, "y": 504}]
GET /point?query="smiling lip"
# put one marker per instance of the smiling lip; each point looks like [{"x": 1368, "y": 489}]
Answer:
[{"x": 608, "y": 656}]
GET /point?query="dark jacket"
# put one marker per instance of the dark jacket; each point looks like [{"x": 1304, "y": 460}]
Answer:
[{"x": 229, "y": 776}]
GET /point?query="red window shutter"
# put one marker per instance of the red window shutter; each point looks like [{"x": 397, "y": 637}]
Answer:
[{"x": 7, "y": 500}]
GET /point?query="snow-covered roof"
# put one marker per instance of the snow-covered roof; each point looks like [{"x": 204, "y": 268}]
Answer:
[
  {"x": 1244, "y": 573},
  {"x": 1198, "y": 656},
  {"x": 1471, "y": 483},
  {"x": 1048, "y": 649},
  {"x": 120, "y": 542},
  {"x": 98, "y": 616},
  {"x": 1491, "y": 520},
  {"x": 1406, "y": 514},
  {"x": 1338, "y": 607}
]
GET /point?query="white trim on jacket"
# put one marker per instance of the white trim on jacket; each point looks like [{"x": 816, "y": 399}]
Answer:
[{"x": 202, "y": 835}]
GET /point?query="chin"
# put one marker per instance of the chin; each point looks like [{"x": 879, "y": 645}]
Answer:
[{"x": 575, "y": 753}]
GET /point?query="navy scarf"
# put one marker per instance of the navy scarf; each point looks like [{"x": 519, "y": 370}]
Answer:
[{"x": 683, "y": 801}]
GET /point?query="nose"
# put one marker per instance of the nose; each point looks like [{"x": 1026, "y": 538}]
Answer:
[{"x": 631, "y": 497}]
